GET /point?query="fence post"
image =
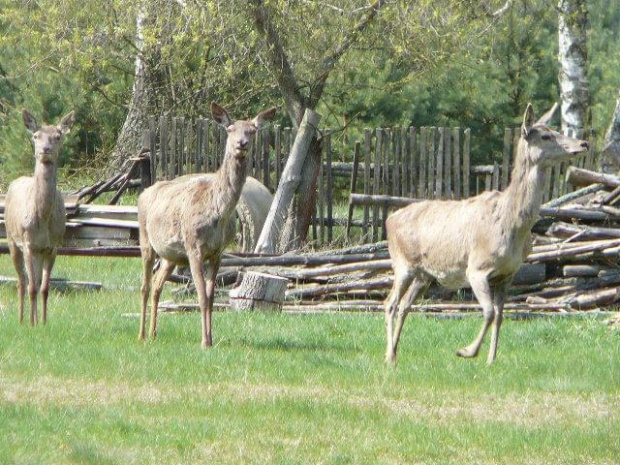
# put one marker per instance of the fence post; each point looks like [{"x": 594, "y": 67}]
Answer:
[
  {"x": 153, "y": 147},
  {"x": 376, "y": 182},
  {"x": 367, "y": 155},
  {"x": 466, "y": 161},
  {"x": 423, "y": 163},
  {"x": 448, "y": 191},
  {"x": 413, "y": 162},
  {"x": 353, "y": 188},
  {"x": 456, "y": 164},
  {"x": 330, "y": 186},
  {"x": 163, "y": 145},
  {"x": 432, "y": 135}
]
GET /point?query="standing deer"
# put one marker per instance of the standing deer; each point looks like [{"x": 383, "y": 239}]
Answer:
[
  {"x": 35, "y": 215},
  {"x": 481, "y": 240},
  {"x": 188, "y": 221}
]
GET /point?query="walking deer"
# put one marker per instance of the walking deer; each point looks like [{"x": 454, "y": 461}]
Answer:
[
  {"x": 481, "y": 240},
  {"x": 35, "y": 215},
  {"x": 188, "y": 221}
]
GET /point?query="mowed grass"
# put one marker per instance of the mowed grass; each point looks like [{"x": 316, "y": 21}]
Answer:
[{"x": 294, "y": 389}]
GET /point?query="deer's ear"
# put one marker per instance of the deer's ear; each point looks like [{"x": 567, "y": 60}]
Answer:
[
  {"x": 30, "y": 121},
  {"x": 528, "y": 120},
  {"x": 66, "y": 122},
  {"x": 263, "y": 116},
  {"x": 220, "y": 115}
]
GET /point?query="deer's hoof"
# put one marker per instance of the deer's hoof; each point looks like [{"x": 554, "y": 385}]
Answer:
[{"x": 466, "y": 352}]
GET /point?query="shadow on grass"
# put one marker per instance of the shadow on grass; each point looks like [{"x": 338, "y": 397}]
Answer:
[{"x": 290, "y": 345}]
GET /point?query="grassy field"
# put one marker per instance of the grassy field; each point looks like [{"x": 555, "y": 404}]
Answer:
[{"x": 294, "y": 389}]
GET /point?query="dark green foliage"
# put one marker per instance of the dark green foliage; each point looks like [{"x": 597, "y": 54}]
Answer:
[{"x": 426, "y": 63}]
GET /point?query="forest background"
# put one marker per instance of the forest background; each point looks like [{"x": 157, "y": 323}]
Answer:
[{"x": 359, "y": 63}]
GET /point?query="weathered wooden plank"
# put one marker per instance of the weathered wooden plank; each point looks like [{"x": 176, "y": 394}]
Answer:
[
  {"x": 447, "y": 149},
  {"x": 432, "y": 159},
  {"x": 376, "y": 185},
  {"x": 397, "y": 161},
  {"x": 163, "y": 146},
  {"x": 423, "y": 164},
  {"x": 353, "y": 187},
  {"x": 466, "y": 162},
  {"x": 367, "y": 161},
  {"x": 456, "y": 162},
  {"x": 506, "y": 157},
  {"x": 330, "y": 185},
  {"x": 153, "y": 147}
]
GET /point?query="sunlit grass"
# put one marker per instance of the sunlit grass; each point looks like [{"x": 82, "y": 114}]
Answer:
[{"x": 288, "y": 389}]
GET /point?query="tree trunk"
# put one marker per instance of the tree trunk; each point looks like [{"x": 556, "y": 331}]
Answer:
[
  {"x": 573, "y": 58},
  {"x": 289, "y": 185},
  {"x": 143, "y": 97},
  {"x": 611, "y": 150}
]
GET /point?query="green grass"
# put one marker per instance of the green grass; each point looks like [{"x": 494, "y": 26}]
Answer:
[{"x": 294, "y": 389}]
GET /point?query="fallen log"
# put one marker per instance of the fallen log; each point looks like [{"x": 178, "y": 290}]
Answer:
[
  {"x": 562, "y": 229},
  {"x": 572, "y": 251},
  {"x": 61, "y": 284},
  {"x": 380, "y": 200},
  {"x": 306, "y": 260},
  {"x": 582, "y": 177},
  {"x": 591, "y": 299},
  {"x": 322, "y": 290},
  {"x": 306, "y": 274},
  {"x": 572, "y": 196},
  {"x": 566, "y": 213}
]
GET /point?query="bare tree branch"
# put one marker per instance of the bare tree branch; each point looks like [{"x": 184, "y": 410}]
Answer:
[
  {"x": 281, "y": 66},
  {"x": 330, "y": 62}
]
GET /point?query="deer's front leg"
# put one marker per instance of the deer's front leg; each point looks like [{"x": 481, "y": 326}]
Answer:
[{"x": 482, "y": 291}]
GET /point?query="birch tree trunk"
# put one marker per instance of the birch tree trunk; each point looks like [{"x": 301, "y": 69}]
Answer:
[{"x": 573, "y": 60}]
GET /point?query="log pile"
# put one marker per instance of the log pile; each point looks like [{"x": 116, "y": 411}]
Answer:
[{"x": 573, "y": 264}]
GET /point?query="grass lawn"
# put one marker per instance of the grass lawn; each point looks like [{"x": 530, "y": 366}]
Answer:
[{"x": 294, "y": 389}]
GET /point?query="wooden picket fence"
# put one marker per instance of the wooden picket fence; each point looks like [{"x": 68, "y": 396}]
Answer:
[{"x": 424, "y": 162}]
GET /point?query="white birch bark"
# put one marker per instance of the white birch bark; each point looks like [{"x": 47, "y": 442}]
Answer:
[{"x": 573, "y": 61}]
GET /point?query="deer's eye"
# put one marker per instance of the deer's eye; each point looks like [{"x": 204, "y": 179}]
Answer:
[{"x": 545, "y": 137}]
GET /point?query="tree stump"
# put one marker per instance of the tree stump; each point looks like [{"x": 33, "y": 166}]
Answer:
[{"x": 259, "y": 291}]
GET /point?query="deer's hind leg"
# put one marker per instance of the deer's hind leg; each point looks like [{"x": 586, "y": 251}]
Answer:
[
  {"x": 402, "y": 280},
  {"x": 161, "y": 277},
  {"x": 499, "y": 296},
  {"x": 148, "y": 261},
  {"x": 18, "y": 261},
  {"x": 417, "y": 287}
]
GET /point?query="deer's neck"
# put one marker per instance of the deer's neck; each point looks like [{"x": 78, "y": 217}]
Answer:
[
  {"x": 45, "y": 181},
  {"x": 229, "y": 182},
  {"x": 523, "y": 196}
]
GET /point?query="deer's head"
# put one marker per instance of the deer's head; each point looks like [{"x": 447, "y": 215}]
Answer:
[
  {"x": 545, "y": 146},
  {"x": 241, "y": 132},
  {"x": 47, "y": 139}
]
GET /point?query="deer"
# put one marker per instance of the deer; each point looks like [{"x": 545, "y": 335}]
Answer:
[
  {"x": 188, "y": 222},
  {"x": 35, "y": 215},
  {"x": 482, "y": 240}
]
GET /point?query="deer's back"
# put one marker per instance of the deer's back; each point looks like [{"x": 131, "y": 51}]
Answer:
[{"x": 443, "y": 238}]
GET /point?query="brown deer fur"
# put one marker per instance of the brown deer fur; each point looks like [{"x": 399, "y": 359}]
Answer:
[
  {"x": 481, "y": 241},
  {"x": 35, "y": 215},
  {"x": 188, "y": 221}
]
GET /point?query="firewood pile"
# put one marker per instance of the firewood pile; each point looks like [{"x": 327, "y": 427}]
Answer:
[{"x": 573, "y": 264}]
